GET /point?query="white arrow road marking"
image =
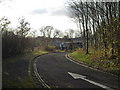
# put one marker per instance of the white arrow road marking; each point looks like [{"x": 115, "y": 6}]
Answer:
[{"x": 78, "y": 76}]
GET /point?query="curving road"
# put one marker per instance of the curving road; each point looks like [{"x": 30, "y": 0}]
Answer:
[{"x": 57, "y": 71}]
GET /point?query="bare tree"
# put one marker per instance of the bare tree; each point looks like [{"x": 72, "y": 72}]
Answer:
[
  {"x": 23, "y": 30},
  {"x": 101, "y": 19},
  {"x": 46, "y": 31},
  {"x": 4, "y": 22},
  {"x": 56, "y": 33},
  {"x": 24, "y": 27},
  {"x": 69, "y": 33}
]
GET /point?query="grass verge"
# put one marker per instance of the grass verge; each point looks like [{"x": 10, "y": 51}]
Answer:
[
  {"x": 15, "y": 70},
  {"x": 97, "y": 60}
]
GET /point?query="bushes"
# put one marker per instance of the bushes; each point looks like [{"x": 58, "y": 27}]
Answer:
[
  {"x": 96, "y": 58},
  {"x": 50, "y": 48},
  {"x": 13, "y": 44},
  {"x": 15, "y": 41}
]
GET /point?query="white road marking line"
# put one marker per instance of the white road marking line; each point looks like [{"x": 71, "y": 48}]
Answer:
[
  {"x": 69, "y": 58},
  {"x": 77, "y": 62},
  {"x": 95, "y": 83},
  {"x": 78, "y": 76},
  {"x": 39, "y": 77}
]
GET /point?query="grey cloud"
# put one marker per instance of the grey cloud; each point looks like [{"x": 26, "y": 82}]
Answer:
[
  {"x": 39, "y": 11},
  {"x": 60, "y": 12}
]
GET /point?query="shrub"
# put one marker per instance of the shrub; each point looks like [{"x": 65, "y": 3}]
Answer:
[{"x": 50, "y": 48}]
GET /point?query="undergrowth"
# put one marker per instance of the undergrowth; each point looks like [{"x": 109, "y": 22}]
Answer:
[{"x": 96, "y": 58}]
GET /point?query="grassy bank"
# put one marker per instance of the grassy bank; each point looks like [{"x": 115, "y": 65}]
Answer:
[
  {"x": 15, "y": 70},
  {"x": 96, "y": 59}
]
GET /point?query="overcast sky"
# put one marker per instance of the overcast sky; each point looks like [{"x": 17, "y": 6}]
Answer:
[{"x": 38, "y": 13}]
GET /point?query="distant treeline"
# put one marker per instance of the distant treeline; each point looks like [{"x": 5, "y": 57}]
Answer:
[
  {"x": 22, "y": 39},
  {"x": 15, "y": 41}
]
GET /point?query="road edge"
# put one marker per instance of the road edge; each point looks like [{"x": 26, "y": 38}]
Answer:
[
  {"x": 32, "y": 70},
  {"x": 88, "y": 66}
]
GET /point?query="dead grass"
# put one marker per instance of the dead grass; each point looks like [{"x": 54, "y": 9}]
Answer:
[
  {"x": 12, "y": 81},
  {"x": 96, "y": 59}
]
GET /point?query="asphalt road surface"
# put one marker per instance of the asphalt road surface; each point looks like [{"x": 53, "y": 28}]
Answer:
[{"x": 57, "y": 71}]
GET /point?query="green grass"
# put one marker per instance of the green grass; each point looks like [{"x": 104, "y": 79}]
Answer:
[
  {"x": 96, "y": 60},
  {"x": 9, "y": 81},
  {"x": 80, "y": 57},
  {"x": 37, "y": 52},
  {"x": 26, "y": 83}
]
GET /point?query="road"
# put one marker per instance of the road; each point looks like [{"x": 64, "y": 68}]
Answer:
[{"x": 57, "y": 71}]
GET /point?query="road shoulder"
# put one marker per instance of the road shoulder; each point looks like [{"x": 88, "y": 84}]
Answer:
[{"x": 88, "y": 65}]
